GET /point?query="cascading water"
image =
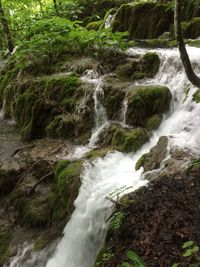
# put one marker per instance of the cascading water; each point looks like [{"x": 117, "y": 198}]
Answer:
[{"x": 84, "y": 234}]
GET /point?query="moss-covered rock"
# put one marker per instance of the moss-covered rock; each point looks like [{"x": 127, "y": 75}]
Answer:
[
  {"x": 143, "y": 20},
  {"x": 129, "y": 141},
  {"x": 68, "y": 182},
  {"x": 154, "y": 122},
  {"x": 137, "y": 69},
  {"x": 145, "y": 102}
]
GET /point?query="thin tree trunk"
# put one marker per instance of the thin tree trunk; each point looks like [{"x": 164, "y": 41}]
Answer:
[
  {"x": 56, "y": 7},
  {"x": 193, "y": 78},
  {"x": 6, "y": 29}
]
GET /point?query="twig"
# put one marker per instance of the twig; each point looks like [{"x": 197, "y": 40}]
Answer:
[
  {"x": 32, "y": 190},
  {"x": 19, "y": 149}
]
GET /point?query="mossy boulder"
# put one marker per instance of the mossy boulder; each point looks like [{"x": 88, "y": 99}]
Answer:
[
  {"x": 50, "y": 106},
  {"x": 144, "y": 20},
  {"x": 145, "y": 102},
  {"x": 129, "y": 141},
  {"x": 136, "y": 69},
  {"x": 151, "y": 161},
  {"x": 68, "y": 182},
  {"x": 123, "y": 139},
  {"x": 154, "y": 122}
]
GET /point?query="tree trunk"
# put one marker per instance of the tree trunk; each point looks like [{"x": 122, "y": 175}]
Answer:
[
  {"x": 6, "y": 29},
  {"x": 193, "y": 78},
  {"x": 56, "y": 7}
]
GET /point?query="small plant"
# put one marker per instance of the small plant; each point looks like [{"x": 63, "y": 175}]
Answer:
[
  {"x": 192, "y": 251},
  {"x": 136, "y": 261},
  {"x": 117, "y": 221}
]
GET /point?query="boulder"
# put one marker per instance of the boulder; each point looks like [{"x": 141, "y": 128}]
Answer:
[{"x": 145, "y": 102}]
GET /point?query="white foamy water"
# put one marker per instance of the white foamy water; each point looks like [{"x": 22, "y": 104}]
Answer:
[{"x": 84, "y": 234}]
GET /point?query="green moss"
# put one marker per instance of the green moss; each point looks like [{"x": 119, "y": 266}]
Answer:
[
  {"x": 5, "y": 238},
  {"x": 129, "y": 141},
  {"x": 196, "y": 96},
  {"x": 154, "y": 122},
  {"x": 152, "y": 63},
  {"x": 67, "y": 175},
  {"x": 140, "y": 163},
  {"x": 146, "y": 101},
  {"x": 96, "y": 153}
]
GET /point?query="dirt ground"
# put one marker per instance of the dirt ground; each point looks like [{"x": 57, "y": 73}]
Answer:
[{"x": 162, "y": 217}]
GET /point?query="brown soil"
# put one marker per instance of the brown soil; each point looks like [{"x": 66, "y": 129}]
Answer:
[{"x": 163, "y": 216}]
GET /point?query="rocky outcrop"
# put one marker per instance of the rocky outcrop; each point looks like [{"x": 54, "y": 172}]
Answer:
[{"x": 146, "y": 20}]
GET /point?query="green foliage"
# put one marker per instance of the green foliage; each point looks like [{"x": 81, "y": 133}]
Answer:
[
  {"x": 116, "y": 221},
  {"x": 190, "y": 251},
  {"x": 136, "y": 261},
  {"x": 192, "y": 165}
]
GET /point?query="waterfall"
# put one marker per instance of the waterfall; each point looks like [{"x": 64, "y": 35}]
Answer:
[{"x": 85, "y": 233}]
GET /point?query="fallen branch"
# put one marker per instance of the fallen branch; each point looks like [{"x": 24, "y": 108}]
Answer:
[
  {"x": 32, "y": 190},
  {"x": 19, "y": 149}
]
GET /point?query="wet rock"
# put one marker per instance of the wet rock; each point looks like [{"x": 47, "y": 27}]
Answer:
[
  {"x": 145, "y": 102},
  {"x": 136, "y": 69},
  {"x": 152, "y": 160},
  {"x": 124, "y": 139}
]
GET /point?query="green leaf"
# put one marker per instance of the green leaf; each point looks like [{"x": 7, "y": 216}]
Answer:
[
  {"x": 175, "y": 264},
  {"x": 187, "y": 253},
  {"x": 193, "y": 265},
  {"x": 135, "y": 258},
  {"x": 195, "y": 249},
  {"x": 187, "y": 244}
]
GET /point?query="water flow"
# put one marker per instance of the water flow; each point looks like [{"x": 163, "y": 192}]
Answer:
[
  {"x": 85, "y": 232},
  {"x": 100, "y": 116}
]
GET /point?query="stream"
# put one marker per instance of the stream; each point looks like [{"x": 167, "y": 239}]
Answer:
[{"x": 114, "y": 175}]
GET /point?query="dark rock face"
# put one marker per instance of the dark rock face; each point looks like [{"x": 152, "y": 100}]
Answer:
[{"x": 143, "y": 20}]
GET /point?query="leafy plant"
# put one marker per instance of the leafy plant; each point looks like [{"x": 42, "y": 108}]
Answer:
[
  {"x": 136, "y": 261},
  {"x": 190, "y": 250}
]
